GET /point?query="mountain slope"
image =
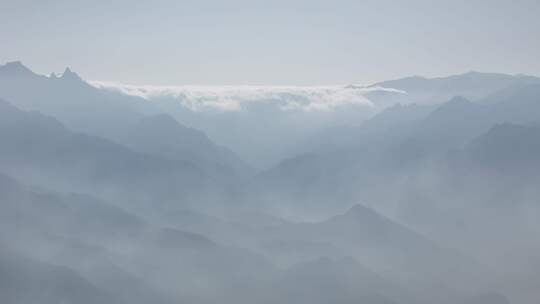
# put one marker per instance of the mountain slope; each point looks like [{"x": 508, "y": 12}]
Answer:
[
  {"x": 163, "y": 136},
  {"x": 38, "y": 149},
  {"x": 23, "y": 280},
  {"x": 413, "y": 262},
  {"x": 385, "y": 152},
  {"x": 327, "y": 281},
  {"x": 128, "y": 120},
  {"x": 471, "y": 85},
  {"x": 118, "y": 254}
]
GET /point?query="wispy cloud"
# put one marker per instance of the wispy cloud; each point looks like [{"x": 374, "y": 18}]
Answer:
[{"x": 238, "y": 98}]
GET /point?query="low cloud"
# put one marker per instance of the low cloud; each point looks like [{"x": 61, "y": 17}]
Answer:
[{"x": 239, "y": 98}]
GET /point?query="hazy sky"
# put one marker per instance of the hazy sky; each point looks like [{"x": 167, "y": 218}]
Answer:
[{"x": 270, "y": 42}]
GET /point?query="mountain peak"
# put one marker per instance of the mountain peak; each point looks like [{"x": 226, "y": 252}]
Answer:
[
  {"x": 357, "y": 208},
  {"x": 360, "y": 212},
  {"x": 455, "y": 107},
  {"x": 456, "y": 103},
  {"x": 473, "y": 73},
  {"x": 70, "y": 75},
  {"x": 15, "y": 68}
]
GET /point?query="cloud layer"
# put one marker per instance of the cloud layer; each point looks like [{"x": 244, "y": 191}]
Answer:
[{"x": 238, "y": 98}]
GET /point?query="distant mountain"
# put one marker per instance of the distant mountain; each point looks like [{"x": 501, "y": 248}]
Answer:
[
  {"x": 508, "y": 147},
  {"x": 70, "y": 99},
  {"x": 465, "y": 173},
  {"x": 499, "y": 168},
  {"x": 40, "y": 150},
  {"x": 109, "y": 198},
  {"x": 389, "y": 249},
  {"x": 327, "y": 281},
  {"x": 40, "y": 228},
  {"x": 379, "y": 240},
  {"x": 375, "y": 130},
  {"x": 111, "y": 255},
  {"x": 482, "y": 198},
  {"x": 32, "y": 210},
  {"x": 163, "y": 136},
  {"x": 457, "y": 121},
  {"x": 471, "y": 85},
  {"x": 514, "y": 100},
  {"x": 129, "y": 120},
  {"x": 519, "y": 104},
  {"x": 354, "y": 164},
  {"x": 24, "y": 280}
]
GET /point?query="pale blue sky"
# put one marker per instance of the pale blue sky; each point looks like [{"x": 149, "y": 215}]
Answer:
[{"x": 270, "y": 42}]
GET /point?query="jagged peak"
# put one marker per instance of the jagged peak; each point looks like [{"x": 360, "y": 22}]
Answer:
[{"x": 70, "y": 75}]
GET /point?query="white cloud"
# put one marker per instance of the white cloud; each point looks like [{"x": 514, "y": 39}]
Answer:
[{"x": 238, "y": 98}]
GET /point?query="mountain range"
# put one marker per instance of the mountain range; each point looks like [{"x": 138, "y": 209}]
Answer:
[{"x": 426, "y": 193}]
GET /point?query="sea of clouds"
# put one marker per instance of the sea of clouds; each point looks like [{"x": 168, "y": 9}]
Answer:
[{"x": 238, "y": 98}]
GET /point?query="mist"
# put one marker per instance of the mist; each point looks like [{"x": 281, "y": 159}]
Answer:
[
  {"x": 203, "y": 152},
  {"x": 114, "y": 194}
]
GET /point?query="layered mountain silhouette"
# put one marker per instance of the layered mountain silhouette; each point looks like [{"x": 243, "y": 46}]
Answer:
[
  {"x": 125, "y": 119},
  {"x": 23, "y": 280},
  {"x": 70, "y": 246},
  {"x": 112, "y": 198},
  {"x": 364, "y": 153},
  {"x": 40, "y": 149},
  {"x": 341, "y": 281},
  {"x": 163, "y": 136}
]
